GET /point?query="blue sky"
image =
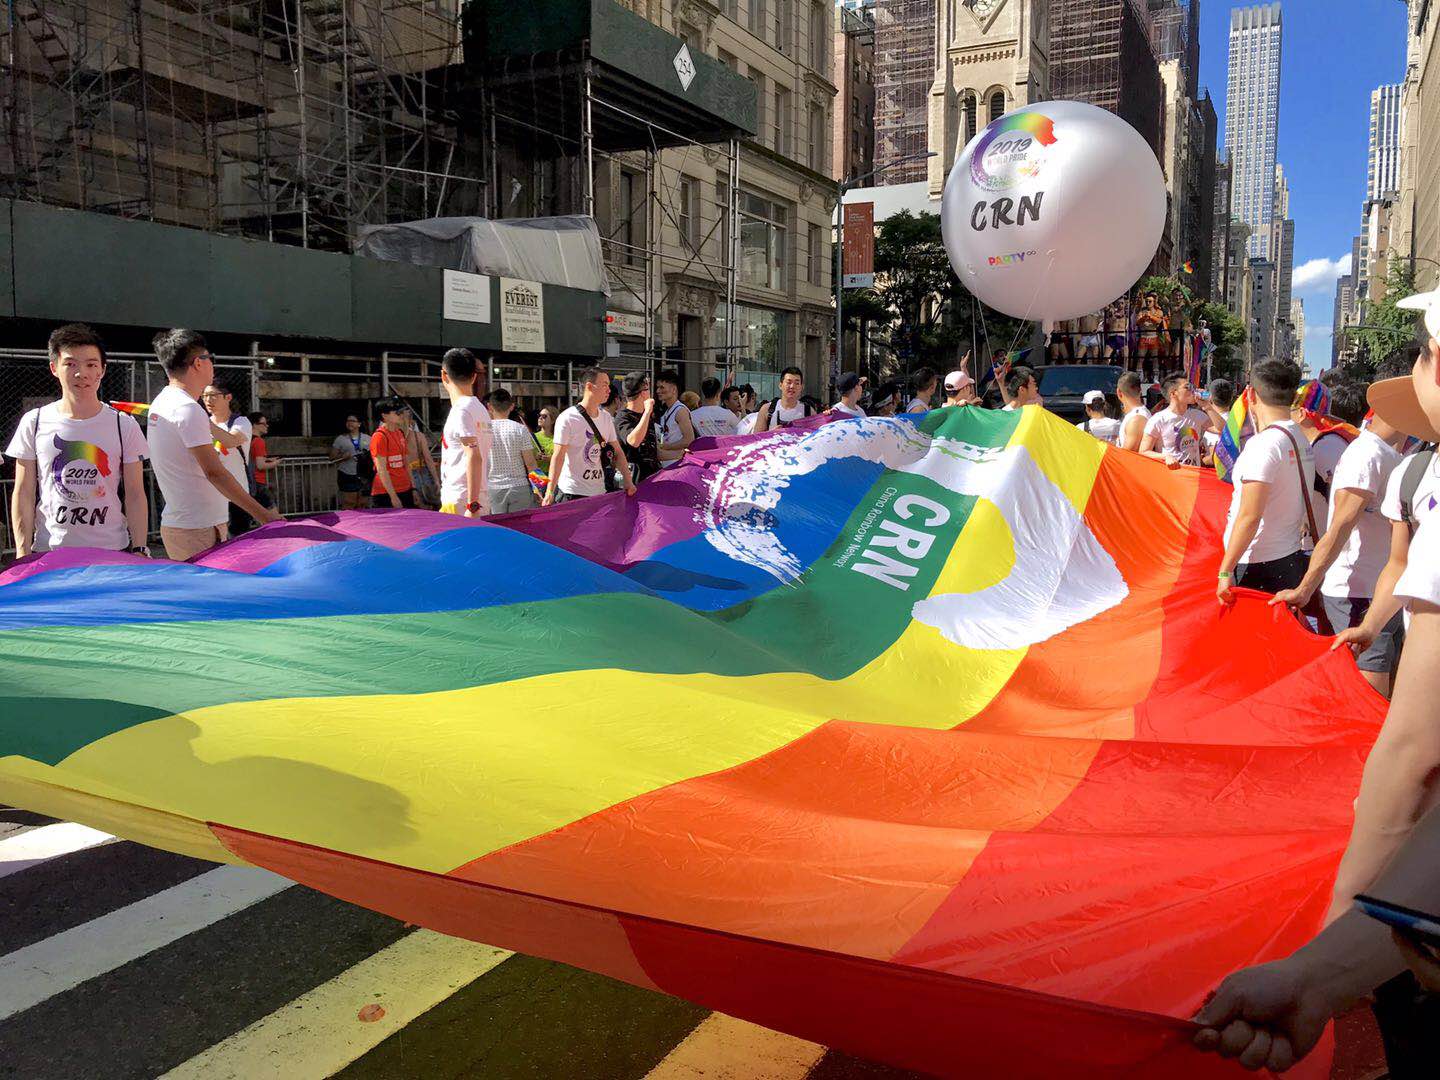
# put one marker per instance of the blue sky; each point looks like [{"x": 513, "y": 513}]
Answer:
[{"x": 1333, "y": 53}]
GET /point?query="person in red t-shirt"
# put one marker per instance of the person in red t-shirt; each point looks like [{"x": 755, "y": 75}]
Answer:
[
  {"x": 388, "y": 449},
  {"x": 260, "y": 461}
]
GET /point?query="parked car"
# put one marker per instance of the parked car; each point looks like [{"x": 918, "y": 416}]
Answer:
[{"x": 1064, "y": 386}]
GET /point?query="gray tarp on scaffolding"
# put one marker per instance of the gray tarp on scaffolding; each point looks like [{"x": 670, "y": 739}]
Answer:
[{"x": 553, "y": 250}]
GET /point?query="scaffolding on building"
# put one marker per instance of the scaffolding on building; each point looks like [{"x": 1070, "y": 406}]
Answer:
[
  {"x": 904, "y": 70},
  {"x": 1102, "y": 52},
  {"x": 569, "y": 133},
  {"x": 286, "y": 120}
]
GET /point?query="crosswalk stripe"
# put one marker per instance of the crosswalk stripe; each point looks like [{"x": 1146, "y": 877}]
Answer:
[
  {"x": 23, "y": 850},
  {"x": 724, "y": 1048},
  {"x": 63, "y": 961},
  {"x": 322, "y": 1031}
]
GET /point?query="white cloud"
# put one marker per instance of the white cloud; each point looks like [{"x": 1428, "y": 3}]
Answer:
[{"x": 1320, "y": 275}]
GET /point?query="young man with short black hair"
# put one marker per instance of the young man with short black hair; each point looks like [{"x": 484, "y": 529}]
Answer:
[
  {"x": 1173, "y": 435},
  {"x": 511, "y": 458},
  {"x": 393, "y": 486},
  {"x": 79, "y": 464},
  {"x": 464, "y": 440},
  {"x": 789, "y": 407},
  {"x": 635, "y": 426},
  {"x": 582, "y": 433},
  {"x": 260, "y": 460},
  {"x": 1133, "y": 413},
  {"x": 850, "y": 388},
  {"x": 1271, "y": 507},
  {"x": 712, "y": 419},
  {"x": 197, "y": 487},
  {"x": 235, "y": 451},
  {"x": 734, "y": 400},
  {"x": 673, "y": 426},
  {"x": 923, "y": 383},
  {"x": 1021, "y": 388}
]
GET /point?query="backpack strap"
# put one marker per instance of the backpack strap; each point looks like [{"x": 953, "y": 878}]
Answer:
[
  {"x": 1415, "y": 470},
  {"x": 1304, "y": 488}
]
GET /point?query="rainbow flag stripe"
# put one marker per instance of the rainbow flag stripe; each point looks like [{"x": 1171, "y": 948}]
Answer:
[{"x": 900, "y": 735}]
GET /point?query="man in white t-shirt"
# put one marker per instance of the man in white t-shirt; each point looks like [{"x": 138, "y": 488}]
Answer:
[
  {"x": 464, "y": 440},
  {"x": 849, "y": 389},
  {"x": 1096, "y": 423},
  {"x": 789, "y": 407},
  {"x": 673, "y": 426},
  {"x": 1274, "y": 478},
  {"x": 511, "y": 459},
  {"x": 1349, "y": 559},
  {"x": 1020, "y": 388},
  {"x": 577, "y": 468},
  {"x": 235, "y": 451},
  {"x": 712, "y": 419},
  {"x": 1173, "y": 435},
  {"x": 1287, "y": 1002},
  {"x": 196, "y": 485},
  {"x": 79, "y": 464},
  {"x": 1133, "y": 413},
  {"x": 923, "y": 383}
]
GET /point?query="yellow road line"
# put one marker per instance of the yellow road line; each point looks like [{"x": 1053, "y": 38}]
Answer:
[
  {"x": 321, "y": 1032},
  {"x": 724, "y": 1048}
]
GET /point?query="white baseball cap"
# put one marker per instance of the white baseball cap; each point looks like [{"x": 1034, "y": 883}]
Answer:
[
  {"x": 1394, "y": 400},
  {"x": 957, "y": 379},
  {"x": 1092, "y": 396}
]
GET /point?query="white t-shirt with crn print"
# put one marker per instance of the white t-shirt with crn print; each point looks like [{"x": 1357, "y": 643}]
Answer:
[
  {"x": 78, "y": 467},
  {"x": 581, "y": 470}
]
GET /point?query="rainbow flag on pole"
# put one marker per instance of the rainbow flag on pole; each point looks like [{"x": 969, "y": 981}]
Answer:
[{"x": 880, "y": 732}]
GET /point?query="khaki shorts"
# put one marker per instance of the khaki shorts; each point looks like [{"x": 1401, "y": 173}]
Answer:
[{"x": 182, "y": 545}]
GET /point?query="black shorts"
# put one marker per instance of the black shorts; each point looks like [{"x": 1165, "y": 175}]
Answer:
[
  {"x": 1274, "y": 576},
  {"x": 349, "y": 482},
  {"x": 565, "y": 496},
  {"x": 382, "y": 501}
]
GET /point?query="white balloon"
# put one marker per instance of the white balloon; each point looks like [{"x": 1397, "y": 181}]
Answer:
[{"x": 1053, "y": 211}]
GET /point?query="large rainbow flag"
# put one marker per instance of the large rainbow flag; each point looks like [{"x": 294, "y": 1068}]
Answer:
[{"x": 907, "y": 736}]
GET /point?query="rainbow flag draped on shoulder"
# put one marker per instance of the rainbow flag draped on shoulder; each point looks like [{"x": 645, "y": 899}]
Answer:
[{"x": 881, "y": 732}]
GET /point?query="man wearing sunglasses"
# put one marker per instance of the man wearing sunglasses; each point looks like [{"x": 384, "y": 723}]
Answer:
[{"x": 198, "y": 489}]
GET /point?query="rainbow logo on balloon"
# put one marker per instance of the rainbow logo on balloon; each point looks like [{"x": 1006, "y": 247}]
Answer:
[
  {"x": 1009, "y": 151},
  {"x": 67, "y": 453}
]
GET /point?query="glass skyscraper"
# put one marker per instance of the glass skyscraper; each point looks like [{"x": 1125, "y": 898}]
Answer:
[{"x": 1252, "y": 118}]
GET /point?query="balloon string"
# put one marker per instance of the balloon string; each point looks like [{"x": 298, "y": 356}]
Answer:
[{"x": 1031, "y": 306}]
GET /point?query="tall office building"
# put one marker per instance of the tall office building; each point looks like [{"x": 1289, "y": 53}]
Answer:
[
  {"x": 1252, "y": 118},
  {"x": 1384, "y": 175}
]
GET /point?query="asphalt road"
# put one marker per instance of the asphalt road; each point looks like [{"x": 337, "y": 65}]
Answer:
[{"x": 118, "y": 961}]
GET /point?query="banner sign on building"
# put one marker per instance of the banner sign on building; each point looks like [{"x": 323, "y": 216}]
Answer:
[
  {"x": 467, "y": 296},
  {"x": 858, "y": 246},
  {"x": 522, "y": 315}
]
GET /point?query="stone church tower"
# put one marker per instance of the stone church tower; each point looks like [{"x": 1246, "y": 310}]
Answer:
[{"x": 990, "y": 57}]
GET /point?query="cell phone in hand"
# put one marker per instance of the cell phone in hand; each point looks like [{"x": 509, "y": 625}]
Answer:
[{"x": 1418, "y": 926}]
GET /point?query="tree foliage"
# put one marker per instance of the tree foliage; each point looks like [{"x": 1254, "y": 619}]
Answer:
[
  {"x": 1384, "y": 328},
  {"x": 931, "y": 317}
]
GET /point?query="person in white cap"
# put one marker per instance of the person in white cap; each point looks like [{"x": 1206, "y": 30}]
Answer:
[
  {"x": 1287, "y": 1002},
  {"x": 1098, "y": 421},
  {"x": 959, "y": 389}
]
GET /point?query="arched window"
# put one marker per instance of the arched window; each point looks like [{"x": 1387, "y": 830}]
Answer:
[
  {"x": 968, "y": 109},
  {"x": 997, "y": 105}
]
